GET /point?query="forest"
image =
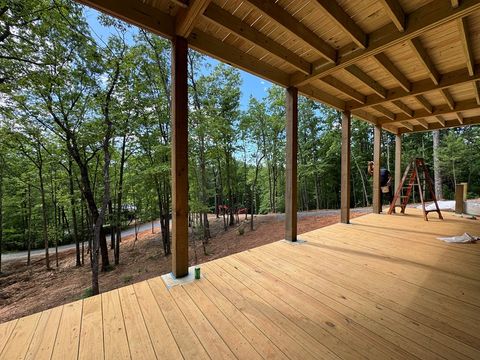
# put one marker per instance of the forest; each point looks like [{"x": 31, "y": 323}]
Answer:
[{"x": 85, "y": 138}]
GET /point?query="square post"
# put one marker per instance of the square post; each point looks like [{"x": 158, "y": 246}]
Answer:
[
  {"x": 179, "y": 157},
  {"x": 377, "y": 144},
  {"x": 398, "y": 163},
  {"x": 345, "y": 168},
  {"x": 291, "y": 164}
]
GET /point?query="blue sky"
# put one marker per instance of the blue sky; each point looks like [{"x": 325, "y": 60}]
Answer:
[{"x": 251, "y": 85}]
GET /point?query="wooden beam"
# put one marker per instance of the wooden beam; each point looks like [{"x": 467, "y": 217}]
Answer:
[
  {"x": 455, "y": 3},
  {"x": 453, "y": 78},
  {"x": 476, "y": 88},
  {"x": 179, "y": 157},
  {"x": 136, "y": 13},
  {"x": 448, "y": 124},
  {"x": 186, "y": 18},
  {"x": 424, "y": 58},
  {"x": 315, "y": 93},
  {"x": 467, "y": 44},
  {"x": 384, "y": 111},
  {"x": 402, "y": 107},
  {"x": 459, "y": 117},
  {"x": 224, "y": 19},
  {"x": 283, "y": 18},
  {"x": 395, "y": 12},
  {"x": 407, "y": 125},
  {"x": 345, "y": 168},
  {"x": 291, "y": 164},
  {"x": 391, "y": 69},
  {"x": 424, "y": 102},
  {"x": 343, "y": 20},
  {"x": 448, "y": 98},
  {"x": 443, "y": 109},
  {"x": 377, "y": 150},
  {"x": 367, "y": 80},
  {"x": 440, "y": 120},
  {"x": 398, "y": 163},
  {"x": 423, "y": 123},
  {"x": 343, "y": 88},
  {"x": 426, "y": 18},
  {"x": 216, "y": 48}
]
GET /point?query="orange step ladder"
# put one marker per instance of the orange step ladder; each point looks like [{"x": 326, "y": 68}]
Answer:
[{"x": 415, "y": 172}]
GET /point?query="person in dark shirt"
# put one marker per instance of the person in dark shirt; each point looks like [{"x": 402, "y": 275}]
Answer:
[{"x": 386, "y": 188}]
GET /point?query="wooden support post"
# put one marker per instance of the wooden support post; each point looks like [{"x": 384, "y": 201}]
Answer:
[
  {"x": 345, "y": 179},
  {"x": 291, "y": 164},
  {"x": 459, "y": 199},
  {"x": 398, "y": 163},
  {"x": 377, "y": 140},
  {"x": 179, "y": 157}
]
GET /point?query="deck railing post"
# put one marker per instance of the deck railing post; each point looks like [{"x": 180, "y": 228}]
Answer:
[
  {"x": 377, "y": 143},
  {"x": 345, "y": 168},
  {"x": 179, "y": 157},
  {"x": 291, "y": 164},
  {"x": 398, "y": 163}
]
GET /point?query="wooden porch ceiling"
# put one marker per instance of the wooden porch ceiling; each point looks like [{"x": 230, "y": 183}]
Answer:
[{"x": 398, "y": 63}]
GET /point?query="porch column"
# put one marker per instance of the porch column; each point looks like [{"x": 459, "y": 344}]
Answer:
[
  {"x": 291, "y": 164},
  {"x": 377, "y": 206},
  {"x": 345, "y": 168},
  {"x": 398, "y": 163},
  {"x": 179, "y": 158}
]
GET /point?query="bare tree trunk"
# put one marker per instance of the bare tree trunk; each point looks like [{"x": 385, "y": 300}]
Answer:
[
  {"x": 29, "y": 216},
  {"x": 74, "y": 213},
  {"x": 436, "y": 165},
  {"x": 1, "y": 216},
  {"x": 44, "y": 208}
]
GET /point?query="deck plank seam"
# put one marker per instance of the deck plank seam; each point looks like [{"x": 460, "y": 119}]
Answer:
[
  {"x": 123, "y": 320},
  {"x": 9, "y": 335}
]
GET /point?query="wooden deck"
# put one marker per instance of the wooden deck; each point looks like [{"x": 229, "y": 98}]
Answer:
[{"x": 381, "y": 288}]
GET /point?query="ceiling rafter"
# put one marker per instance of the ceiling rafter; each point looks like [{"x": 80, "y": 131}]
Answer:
[
  {"x": 186, "y": 18},
  {"x": 424, "y": 102},
  {"x": 448, "y": 124},
  {"x": 456, "y": 77},
  {"x": 476, "y": 88},
  {"x": 283, "y": 18},
  {"x": 440, "y": 120},
  {"x": 407, "y": 125},
  {"x": 224, "y": 19},
  {"x": 424, "y": 123},
  {"x": 344, "y": 88},
  {"x": 424, "y": 58},
  {"x": 218, "y": 49},
  {"x": 467, "y": 44},
  {"x": 403, "y": 108},
  {"x": 391, "y": 69},
  {"x": 395, "y": 12},
  {"x": 438, "y": 110},
  {"x": 448, "y": 98},
  {"x": 385, "y": 111},
  {"x": 420, "y": 21},
  {"x": 342, "y": 19},
  {"x": 367, "y": 80},
  {"x": 459, "y": 117}
]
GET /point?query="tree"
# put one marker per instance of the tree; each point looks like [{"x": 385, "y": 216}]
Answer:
[{"x": 436, "y": 165}]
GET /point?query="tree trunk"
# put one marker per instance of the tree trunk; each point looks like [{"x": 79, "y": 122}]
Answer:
[
  {"x": 1, "y": 216},
  {"x": 74, "y": 213},
  {"x": 118, "y": 221},
  {"x": 44, "y": 209},
  {"x": 436, "y": 165},
  {"x": 29, "y": 240}
]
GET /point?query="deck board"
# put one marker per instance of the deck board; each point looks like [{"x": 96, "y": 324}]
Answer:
[{"x": 381, "y": 288}]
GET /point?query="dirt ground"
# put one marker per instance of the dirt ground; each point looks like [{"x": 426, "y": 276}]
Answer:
[{"x": 26, "y": 290}]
